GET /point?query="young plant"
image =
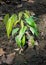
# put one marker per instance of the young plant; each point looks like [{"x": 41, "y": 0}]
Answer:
[{"x": 18, "y": 25}]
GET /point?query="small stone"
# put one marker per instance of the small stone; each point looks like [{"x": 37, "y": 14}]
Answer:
[
  {"x": 1, "y": 18},
  {"x": 36, "y": 43}
]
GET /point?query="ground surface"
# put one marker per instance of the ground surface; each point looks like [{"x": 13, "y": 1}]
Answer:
[{"x": 30, "y": 56}]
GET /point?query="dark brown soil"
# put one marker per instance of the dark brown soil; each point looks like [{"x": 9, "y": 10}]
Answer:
[{"x": 35, "y": 56}]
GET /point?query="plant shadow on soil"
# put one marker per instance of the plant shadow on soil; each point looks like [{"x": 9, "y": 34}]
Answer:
[{"x": 35, "y": 56}]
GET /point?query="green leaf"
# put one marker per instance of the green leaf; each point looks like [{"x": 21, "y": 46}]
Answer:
[
  {"x": 26, "y": 15},
  {"x": 34, "y": 31},
  {"x": 27, "y": 12},
  {"x": 31, "y": 21},
  {"x": 18, "y": 41},
  {"x": 31, "y": 40},
  {"x": 23, "y": 41},
  {"x": 19, "y": 37},
  {"x": 5, "y": 20},
  {"x": 22, "y": 31},
  {"x": 22, "y": 24},
  {"x": 10, "y": 23},
  {"x": 16, "y": 22},
  {"x": 14, "y": 31},
  {"x": 20, "y": 15}
]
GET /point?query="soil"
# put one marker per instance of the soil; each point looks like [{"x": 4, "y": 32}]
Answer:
[{"x": 31, "y": 56}]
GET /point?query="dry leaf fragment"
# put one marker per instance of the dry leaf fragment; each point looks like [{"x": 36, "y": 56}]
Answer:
[
  {"x": 10, "y": 58},
  {"x": 17, "y": 49},
  {"x": 31, "y": 1},
  {"x": 2, "y": 52},
  {"x": 3, "y": 59}
]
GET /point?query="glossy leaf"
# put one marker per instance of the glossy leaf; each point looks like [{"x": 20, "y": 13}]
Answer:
[
  {"x": 19, "y": 37},
  {"x": 34, "y": 31},
  {"x": 22, "y": 24},
  {"x": 19, "y": 18},
  {"x": 14, "y": 31},
  {"x": 26, "y": 16},
  {"x": 23, "y": 41},
  {"x": 18, "y": 41},
  {"x": 20, "y": 15},
  {"x": 5, "y": 20},
  {"x": 31, "y": 21},
  {"x": 22, "y": 31},
  {"x": 10, "y": 23},
  {"x": 27, "y": 12},
  {"x": 15, "y": 23}
]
